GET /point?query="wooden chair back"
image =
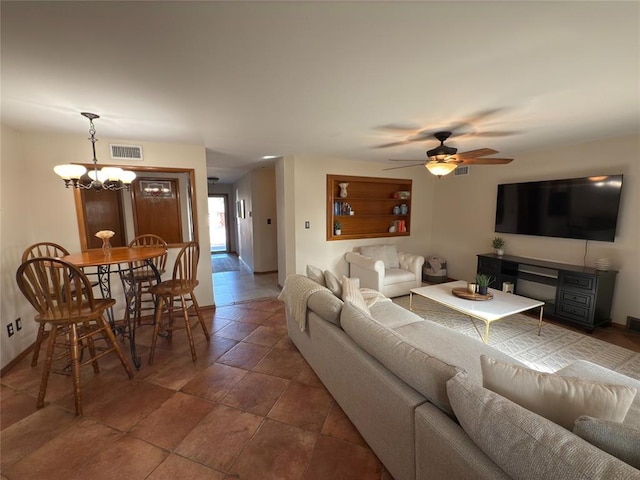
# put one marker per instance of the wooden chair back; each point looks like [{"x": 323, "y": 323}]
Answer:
[
  {"x": 51, "y": 285},
  {"x": 44, "y": 249},
  {"x": 185, "y": 270},
  {"x": 150, "y": 240}
]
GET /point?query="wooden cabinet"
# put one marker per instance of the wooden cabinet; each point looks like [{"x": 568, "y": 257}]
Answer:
[
  {"x": 367, "y": 211},
  {"x": 575, "y": 294}
]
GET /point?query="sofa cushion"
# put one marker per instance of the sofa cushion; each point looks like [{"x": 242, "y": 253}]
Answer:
[
  {"x": 332, "y": 283},
  {"x": 326, "y": 305},
  {"x": 618, "y": 439},
  {"x": 315, "y": 274},
  {"x": 524, "y": 444},
  {"x": 425, "y": 373},
  {"x": 393, "y": 276},
  {"x": 387, "y": 253},
  {"x": 560, "y": 399},
  {"x": 351, "y": 294}
]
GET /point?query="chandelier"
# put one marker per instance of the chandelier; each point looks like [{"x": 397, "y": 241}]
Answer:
[{"x": 108, "y": 178}]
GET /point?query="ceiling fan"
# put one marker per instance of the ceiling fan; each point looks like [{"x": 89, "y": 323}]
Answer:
[{"x": 444, "y": 159}]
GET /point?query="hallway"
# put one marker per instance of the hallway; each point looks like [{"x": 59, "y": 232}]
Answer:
[{"x": 233, "y": 282}]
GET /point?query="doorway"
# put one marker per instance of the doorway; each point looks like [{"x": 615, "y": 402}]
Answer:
[{"x": 218, "y": 225}]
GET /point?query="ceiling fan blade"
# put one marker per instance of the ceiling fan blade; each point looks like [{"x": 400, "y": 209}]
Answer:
[
  {"x": 496, "y": 133},
  {"x": 392, "y": 144},
  {"x": 482, "y": 152},
  {"x": 486, "y": 161},
  {"x": 405, "y": 166}
]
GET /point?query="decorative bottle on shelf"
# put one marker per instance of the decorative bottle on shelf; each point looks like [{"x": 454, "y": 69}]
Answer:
[{"x": 404, "y": 209}]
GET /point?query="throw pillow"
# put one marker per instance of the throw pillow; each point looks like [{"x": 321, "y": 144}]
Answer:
[
  {"x": 315, "y": 274},
  {"x": 333, "y": 283},
  {"x": 559, "y": 399},
  {"x": 351, "y": 293},
  {"x": 617, "y": 439},
  {"x": 524, "y": 444}
]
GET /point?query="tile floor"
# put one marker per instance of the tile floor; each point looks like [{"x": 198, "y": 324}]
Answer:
[
  {"x": 249, "y": 408},
  {"x": 241, "y": 285}
]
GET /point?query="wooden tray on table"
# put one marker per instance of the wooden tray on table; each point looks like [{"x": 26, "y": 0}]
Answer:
[{"x": 464, "y": 293}]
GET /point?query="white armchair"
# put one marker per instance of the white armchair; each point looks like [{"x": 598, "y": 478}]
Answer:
[{"x": 383, "y": 268}]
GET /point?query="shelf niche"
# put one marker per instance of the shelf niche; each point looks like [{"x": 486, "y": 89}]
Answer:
[{"x": 372, "y": 200}]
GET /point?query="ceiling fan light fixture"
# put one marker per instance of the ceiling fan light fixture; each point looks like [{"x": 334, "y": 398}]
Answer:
[{"x": 440, "y": 169}]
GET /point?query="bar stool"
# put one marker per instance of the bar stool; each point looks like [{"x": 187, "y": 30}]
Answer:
[
  {"x": 144, "y": 276},
  {"x": 180, "y": 287},
  {"x": 63, "y": 298}
]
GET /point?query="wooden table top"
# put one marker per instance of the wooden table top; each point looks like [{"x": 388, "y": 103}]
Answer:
[{"x": 93, "y": 258}]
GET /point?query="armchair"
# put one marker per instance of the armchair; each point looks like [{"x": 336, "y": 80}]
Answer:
[{"x": 383, "y": 268}]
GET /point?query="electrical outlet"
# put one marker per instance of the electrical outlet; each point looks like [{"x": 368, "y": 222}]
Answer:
[
  {"x": 10, "y": 330},
  {"x": 18, "y": 324}
]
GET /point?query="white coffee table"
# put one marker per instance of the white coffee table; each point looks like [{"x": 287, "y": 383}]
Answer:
[{"x": 500, "y": 306}]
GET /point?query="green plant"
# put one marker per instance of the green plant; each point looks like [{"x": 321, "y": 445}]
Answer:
[
  {"x": 483, "y": 280},
  {"x": 337, "y": 226},
  {"x": 497, "y": 242}
]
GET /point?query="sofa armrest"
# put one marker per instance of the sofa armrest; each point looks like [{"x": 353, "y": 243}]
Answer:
[
  {"x": 411, "y": 262},
  {"x": 369, "y": 271}
]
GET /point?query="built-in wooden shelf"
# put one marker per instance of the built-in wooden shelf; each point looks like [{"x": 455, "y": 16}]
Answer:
[{"x": 372, "y": 200}]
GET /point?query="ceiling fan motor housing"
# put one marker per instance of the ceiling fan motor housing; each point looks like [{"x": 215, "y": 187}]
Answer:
[{"x": 442, "y": 150}]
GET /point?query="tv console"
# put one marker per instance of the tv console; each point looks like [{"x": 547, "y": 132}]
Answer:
[{"x": 572, "y": 293}]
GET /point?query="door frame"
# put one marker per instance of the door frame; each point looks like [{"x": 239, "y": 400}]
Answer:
[{"x": 227, "y": 227}]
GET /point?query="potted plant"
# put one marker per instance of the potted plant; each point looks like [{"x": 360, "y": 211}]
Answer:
[
  {"x": 497, "y": 243},
  {"x": 337, "y": 228},
  {"x": 483, "y": 282}
]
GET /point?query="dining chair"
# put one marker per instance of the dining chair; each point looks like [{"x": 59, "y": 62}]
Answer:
[
  {"x": 42, "y": 249},
  {"x": 179, "y": 288},
  {"x": 143, "y": 275},
  {"x": 63, "y": 298}
]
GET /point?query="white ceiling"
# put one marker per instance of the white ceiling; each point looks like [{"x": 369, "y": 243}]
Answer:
[{"x": 247, "y": 79}]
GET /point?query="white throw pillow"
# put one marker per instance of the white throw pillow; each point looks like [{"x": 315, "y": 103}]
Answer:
[
  {"x": 333, "y": 283},
  {"x": 351, "y": 293},
  {"x": 315, "y": 274},
  {"x": 559, "y": 399}
]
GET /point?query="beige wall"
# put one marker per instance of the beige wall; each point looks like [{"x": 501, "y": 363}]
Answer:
[
  {"x": 45, "y": 210},
  {"x": 464, "y": 214},
  {"x": 309, "y": 186}
]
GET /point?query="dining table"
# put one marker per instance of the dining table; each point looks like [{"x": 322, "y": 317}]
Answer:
[{"x": 123, "y": 261}]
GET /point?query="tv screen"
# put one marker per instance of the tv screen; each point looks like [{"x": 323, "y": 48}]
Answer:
[{"x": 581, "y": 208}]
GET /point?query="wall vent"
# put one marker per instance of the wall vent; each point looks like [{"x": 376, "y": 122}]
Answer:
[
  {"x": 461, "y": 170},
  {"x": 126, "y": 152},
  {"x": 633, "y": 324}
]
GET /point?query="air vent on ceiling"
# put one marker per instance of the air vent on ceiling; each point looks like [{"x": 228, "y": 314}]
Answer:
[
  {"x": 461, "y": 170},
  {"x": 126, "y": 152}
]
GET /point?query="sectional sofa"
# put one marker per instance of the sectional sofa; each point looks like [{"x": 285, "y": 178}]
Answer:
[{"x": 414, "y": 390}]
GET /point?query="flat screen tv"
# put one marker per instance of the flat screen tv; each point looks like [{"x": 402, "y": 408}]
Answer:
[{"x": 581, "y": 208}]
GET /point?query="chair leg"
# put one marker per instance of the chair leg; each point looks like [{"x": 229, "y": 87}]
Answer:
[
  {"x": 75, "y": 366},
  {"x": 187, "y": 326},
  {"x": 156, "y": 329},
  {"x": 111, "y": 338},
  {"x": 196, "y": 307},
  {"x": 92, "y": 346},
  {"x": 46, "y": 370},
  {"x": 38, "y": 344}
]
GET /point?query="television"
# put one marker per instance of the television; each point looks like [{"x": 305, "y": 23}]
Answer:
[{"x": 581, "y": 208}]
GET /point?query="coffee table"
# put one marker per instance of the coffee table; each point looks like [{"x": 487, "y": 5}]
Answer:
[{"x": 500, "y": 306}]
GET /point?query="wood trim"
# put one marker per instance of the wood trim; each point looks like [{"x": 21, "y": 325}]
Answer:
[{"x": 191, "y": 196}]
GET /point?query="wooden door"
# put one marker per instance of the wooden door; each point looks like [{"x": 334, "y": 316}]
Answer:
[
  {"x": 156, "y": 208},
  {"x": 103, "y": 211}
]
